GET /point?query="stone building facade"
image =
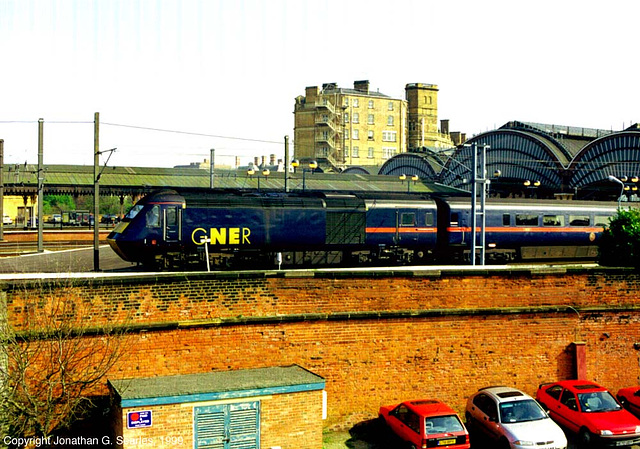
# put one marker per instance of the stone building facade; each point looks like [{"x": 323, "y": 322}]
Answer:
[{"x": 342, "y": 127}]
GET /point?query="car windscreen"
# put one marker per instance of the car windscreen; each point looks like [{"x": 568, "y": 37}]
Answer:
[
  {"x": 443, "y": 424},
  {"x": 521, "y": 411},
  {"x": 598, "y": 401}
]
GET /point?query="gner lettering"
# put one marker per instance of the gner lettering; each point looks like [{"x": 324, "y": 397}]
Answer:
[{"x": 222, "y": 236}]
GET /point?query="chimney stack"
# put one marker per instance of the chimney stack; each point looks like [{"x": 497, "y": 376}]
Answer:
[{"x": 361, "y": 86}]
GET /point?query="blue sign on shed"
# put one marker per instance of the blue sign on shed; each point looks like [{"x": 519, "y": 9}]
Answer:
[{"x": 138, "y": 419}]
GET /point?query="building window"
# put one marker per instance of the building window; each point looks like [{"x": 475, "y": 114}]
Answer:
[
  {"x": 356, "y": 134},
  {"x": 370, "y": 104},
  {"x": 356, "y": 152},
  {"x": 390, "y": 106},
  {"x": 370, "y": 119},
  {"x": 346, "y": 117},
  {"x": 346, "y": 102},
  {"x": 356, "y": 117},
  {"x": 370, "y": 135},
  {"x": 356, "y": 103},
  {"x": 389, "y": 136},
  {"x": 370, "y": 153},
  {"x": 323, "y": 152},
  {"x": 390, "y": 120},
  {"x": 389, "y": 152},
  {"x": 346, "y": 152}
]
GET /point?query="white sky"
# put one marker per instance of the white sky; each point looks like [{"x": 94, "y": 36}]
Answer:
[{"x": 233, "y": 68}]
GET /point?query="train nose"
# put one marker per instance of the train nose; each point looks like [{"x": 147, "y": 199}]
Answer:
[{"x": 115, "y": 241}]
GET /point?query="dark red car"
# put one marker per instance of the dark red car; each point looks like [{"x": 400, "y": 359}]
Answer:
[
  {"x": 630, "y": 399},
  {"x": 591, "y": 412},
  {"x": 426, "y": 423}
]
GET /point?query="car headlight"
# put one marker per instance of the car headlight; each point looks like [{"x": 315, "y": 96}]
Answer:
[
  {"x": 606, "y": 432},
  {"x": 637, "y": 429},
  {"x": 524, "y": 443}
]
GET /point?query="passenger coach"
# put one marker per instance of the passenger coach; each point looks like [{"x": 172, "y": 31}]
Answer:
[{"x": 518, "y": 229}]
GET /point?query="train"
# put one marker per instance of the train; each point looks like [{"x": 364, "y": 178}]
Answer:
[{"x": 238, "y": 230}]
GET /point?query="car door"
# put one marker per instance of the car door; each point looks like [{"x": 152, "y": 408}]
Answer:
[
  {"x": 565, "y": 412},
  {"x": 403, "y": 422},
  {"x": 633, "y": 403},
  {"x": 485, "y": 412}
]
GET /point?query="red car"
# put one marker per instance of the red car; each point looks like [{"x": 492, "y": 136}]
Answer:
[
  {"x": 590, "y": 411},
  {"x": 630, "y": 399},
  {"x": 426, "y": 423}
]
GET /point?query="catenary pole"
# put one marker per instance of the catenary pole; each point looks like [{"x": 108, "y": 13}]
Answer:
[
  {"x": 40, "y": 182},
  {"x": 211, "y": 165},
  {"x": 286, "y": 163},
  {"x": 96, "y": 192}
]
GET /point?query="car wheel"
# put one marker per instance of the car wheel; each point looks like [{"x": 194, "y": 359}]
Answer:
[{"x": 585, "y": 438}]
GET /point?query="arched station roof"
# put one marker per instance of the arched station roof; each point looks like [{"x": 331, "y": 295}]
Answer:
[
  {"x": 560, "y": 159},
  {"x": 616, "y": 155},
  {"x": 426, "y": 165},
  {"x": 518, "y": 155}
]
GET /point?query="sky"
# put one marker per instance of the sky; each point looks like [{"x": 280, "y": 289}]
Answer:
[{"x": 172, "y": 79}]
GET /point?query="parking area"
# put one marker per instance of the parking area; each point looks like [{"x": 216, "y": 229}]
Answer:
[{"x": 373, "y": 435}]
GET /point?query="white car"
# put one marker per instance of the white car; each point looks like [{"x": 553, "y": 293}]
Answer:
[
  {"x": 512, "y": 419},
  {"x": 7, "y": 220}
]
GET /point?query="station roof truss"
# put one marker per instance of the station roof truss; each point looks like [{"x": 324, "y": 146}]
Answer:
[
  {"x": 425, "y": 165},
  {"x": 614, "y": 155},
  {"x": 516, "y": 154},
  {"x": 560, "y": 158}
]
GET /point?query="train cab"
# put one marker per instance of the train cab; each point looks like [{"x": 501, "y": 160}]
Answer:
[{"x": 153, "y": 226}]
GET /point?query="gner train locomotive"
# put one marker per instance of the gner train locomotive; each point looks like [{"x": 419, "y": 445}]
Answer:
[{"x": 239, "y": 230}]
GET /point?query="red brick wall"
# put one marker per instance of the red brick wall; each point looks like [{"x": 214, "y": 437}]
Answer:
[{"x": 377, "y": 337}]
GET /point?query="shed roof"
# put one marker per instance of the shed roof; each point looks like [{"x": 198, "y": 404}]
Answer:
[{"x": 215, "y": 385}]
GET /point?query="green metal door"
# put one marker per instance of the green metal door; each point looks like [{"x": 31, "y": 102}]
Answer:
[{"x": 227, "y": 426}]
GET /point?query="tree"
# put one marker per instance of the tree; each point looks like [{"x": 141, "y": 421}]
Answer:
[
  {"x": 52, "y": 204},
  {"x": 52, "y": 361},
  {"x": 620, "y": 242}
]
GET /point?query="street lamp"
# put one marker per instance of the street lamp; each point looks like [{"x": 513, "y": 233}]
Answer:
[
  {"x": 618, "y": 181},
  {"x": 414, "y": 178},
  {"x": 312, "y": 166}
]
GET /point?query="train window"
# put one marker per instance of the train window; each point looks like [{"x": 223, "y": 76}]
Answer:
[
  {"x": 455, "y": 218},
  {"x": 428, "y": 219},
  {"x": 506, "y": 219},
  {"x": 553, "y": 220},
  {"x": 579, "y": 220},
  {"x": 601, "y": 220},
  {"x": 172, "y": 216},
  {"x": 153, "y": 217},
  {"x": 408, "y": 219},
  {"x": 133, "y": 212},
  {"x": 526, "y": 220}
]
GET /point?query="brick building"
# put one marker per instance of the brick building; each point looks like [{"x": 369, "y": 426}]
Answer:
[{"x": 342, "y": 127}]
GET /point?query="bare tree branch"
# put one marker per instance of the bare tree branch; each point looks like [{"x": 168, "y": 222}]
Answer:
[{"x": 54, "y": 360}]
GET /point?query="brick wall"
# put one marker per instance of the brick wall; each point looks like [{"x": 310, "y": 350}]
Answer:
[{"x": 376, "y": 337}]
